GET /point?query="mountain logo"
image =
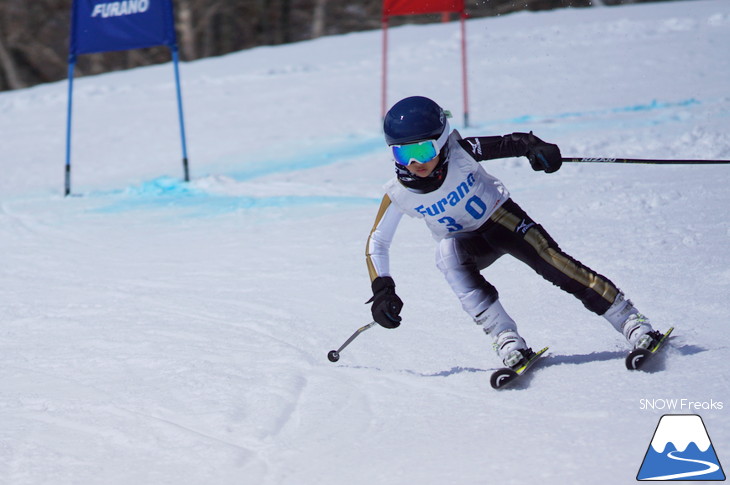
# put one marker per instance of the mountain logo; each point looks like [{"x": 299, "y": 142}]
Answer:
[{"x": 681, "y": 450}]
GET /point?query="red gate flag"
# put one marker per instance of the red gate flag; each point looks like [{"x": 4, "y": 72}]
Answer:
[
  {"x": 393, "y": 8},
  {"x": 412, "y": 7}
]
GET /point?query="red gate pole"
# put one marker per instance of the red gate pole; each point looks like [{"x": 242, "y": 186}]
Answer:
[
  {"x": 463, "y": 67},
  {"x": 412, "y": 7},
  {"x": 384, "y": 80}
]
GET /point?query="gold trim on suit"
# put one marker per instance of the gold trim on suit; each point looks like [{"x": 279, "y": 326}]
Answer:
[
  {"x": 556, "y": 259},
  {"x": 384, "y": 204}
]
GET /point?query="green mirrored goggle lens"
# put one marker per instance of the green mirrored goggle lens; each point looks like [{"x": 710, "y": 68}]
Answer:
[{"x": 420, "y": 152}]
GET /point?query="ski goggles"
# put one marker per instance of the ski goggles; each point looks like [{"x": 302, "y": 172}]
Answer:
[{"x": 419, "y": 152}]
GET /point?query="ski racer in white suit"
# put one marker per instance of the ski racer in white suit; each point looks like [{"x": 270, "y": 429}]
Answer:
[{"x": 472, "y": 217}]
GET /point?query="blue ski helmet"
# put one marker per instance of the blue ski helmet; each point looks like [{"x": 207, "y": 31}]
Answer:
[{"x": 413, "y": 119}]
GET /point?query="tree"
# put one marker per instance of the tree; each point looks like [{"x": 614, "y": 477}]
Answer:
[
  {"x": 34, "y": 33},
  {"x": 10, "y": 76},
  {"x": 319, "y": 18}
]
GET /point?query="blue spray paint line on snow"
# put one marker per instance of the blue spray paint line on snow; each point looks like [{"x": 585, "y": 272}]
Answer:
[
  {"x": 161, "y": 187},
  {"x": 654, "y": 105},
  {"x": 309, "y": 159},
  {"x": 212, "y": 206},
  {"x": 170, "y": 192},
  {"x": 167, "y": 193},
  {"x": 606, "y": 115}
]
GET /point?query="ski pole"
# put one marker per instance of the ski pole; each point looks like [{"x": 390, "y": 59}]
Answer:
[
  {"x": 641, "y": 160},
  {"x": 334, "y": 355}
]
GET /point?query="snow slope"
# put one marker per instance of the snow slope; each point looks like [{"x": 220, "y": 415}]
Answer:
[{"x": 154, "y": 332}]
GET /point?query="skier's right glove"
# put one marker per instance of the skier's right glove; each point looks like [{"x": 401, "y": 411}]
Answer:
[{"x": 386, "y": 304}]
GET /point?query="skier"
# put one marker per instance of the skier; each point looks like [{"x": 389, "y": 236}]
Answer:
[{"x": 474, "y": 221}]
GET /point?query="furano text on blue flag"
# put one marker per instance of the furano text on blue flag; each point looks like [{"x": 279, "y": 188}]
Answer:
[{"x": 118, "y": 9}]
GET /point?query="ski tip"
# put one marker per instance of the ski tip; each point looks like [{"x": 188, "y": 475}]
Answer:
[{"x": 542, "y": 350}]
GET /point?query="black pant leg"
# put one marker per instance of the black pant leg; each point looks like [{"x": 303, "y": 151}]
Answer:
[{"x": 514, "y": 232}]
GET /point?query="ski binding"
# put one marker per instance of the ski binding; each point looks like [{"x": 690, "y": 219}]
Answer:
[{"x": 638, "y": 357}]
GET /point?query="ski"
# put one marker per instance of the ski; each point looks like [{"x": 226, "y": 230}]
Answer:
[
  {"x": 638, "y": 357},
  {"x": 504, "y": 376}
]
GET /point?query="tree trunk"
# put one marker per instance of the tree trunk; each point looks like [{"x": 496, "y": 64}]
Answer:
[
  {"x": 9, "y": 68},
  {"x": 186, "y": 27},
  {"x": 318, "y": 21}
]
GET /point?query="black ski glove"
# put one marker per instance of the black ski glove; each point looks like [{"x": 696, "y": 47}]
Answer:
[
  {"x": 386, "y": 304},
  {"x": 542, "y": 155}
]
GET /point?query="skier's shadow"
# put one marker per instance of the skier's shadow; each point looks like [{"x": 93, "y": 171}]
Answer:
[
  {"x": 583, "y": 358},
  {"x": 654, "y": 365}
]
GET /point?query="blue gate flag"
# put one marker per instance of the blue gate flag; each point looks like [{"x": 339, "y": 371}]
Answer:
[{"x": 102, "y": 26}]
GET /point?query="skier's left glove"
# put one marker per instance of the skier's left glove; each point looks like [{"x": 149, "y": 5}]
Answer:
[
  {"x": 542, "y": 156},
  {"x": 386, "y": 304}
]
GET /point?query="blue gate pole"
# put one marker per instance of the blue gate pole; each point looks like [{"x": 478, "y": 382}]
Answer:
[
  {"x": 71, "y": 66},
  {"x": 175, "y": 60}
]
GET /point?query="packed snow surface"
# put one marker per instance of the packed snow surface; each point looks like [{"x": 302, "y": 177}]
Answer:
[{"x": 159, "y": 332}]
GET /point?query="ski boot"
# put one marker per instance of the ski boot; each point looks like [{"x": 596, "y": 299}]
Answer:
[
  {"x": 639, "y": 333},
  {"x": 512, "y": 349}
]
